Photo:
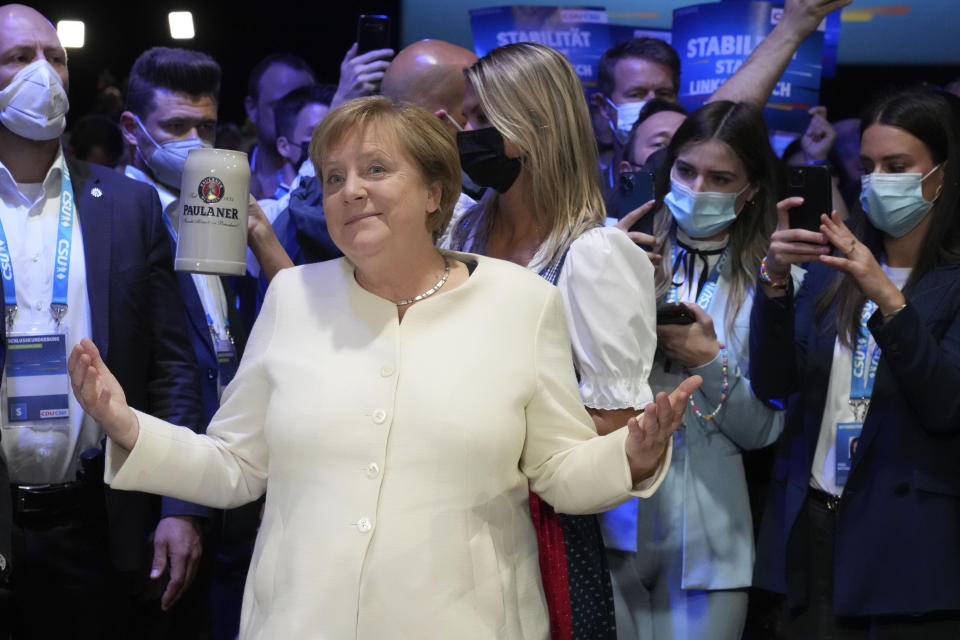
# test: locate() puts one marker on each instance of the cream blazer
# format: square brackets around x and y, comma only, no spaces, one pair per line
[396,457]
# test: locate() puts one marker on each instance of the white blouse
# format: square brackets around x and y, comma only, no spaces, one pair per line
[609,300]
[610,304]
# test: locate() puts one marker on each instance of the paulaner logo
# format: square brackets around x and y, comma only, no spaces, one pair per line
[210,189]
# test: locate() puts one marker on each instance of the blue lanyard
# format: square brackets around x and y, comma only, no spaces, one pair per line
[709,287]
[226,323]
[864,368]
[167,221]
[61,264]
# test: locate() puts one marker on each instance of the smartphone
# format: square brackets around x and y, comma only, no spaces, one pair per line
[636,188]
[812,183]
[373,32]
[674,313]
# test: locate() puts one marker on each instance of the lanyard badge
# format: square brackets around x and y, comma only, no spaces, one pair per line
[226,350]
[709,288]
[863,372]
[37,384]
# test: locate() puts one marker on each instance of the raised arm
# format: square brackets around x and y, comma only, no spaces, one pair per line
[755,80]
[264,243]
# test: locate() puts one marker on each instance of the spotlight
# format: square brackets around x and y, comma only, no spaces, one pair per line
[181,25]
[70,33]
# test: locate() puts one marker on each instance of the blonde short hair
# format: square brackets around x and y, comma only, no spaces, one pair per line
[420,135]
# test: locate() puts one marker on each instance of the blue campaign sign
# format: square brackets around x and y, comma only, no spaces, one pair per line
[714,39]
[622,32]
[579,33]
[831,45]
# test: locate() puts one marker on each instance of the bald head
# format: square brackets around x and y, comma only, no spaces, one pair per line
[26,36]
[429,74]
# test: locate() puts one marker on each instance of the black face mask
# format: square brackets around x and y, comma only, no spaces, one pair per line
[483,159]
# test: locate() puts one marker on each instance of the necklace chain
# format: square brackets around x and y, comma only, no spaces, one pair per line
[432,290]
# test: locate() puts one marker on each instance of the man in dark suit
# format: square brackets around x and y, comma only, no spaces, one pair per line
[171,108]
[81,553]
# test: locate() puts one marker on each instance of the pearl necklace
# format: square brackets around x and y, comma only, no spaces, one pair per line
[432,290]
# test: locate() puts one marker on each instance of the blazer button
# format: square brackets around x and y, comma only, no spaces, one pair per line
[901,489]
[379,416]
[387,371]
[211,374]
[364,525]
[373,470]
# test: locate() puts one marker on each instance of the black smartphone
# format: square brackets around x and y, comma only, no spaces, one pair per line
[675,313]
[373,32]
[812,183]
[636,188]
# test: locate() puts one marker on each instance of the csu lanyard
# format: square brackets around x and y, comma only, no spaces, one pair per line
[61,264]
[206,296]
[709,287]
[864,369]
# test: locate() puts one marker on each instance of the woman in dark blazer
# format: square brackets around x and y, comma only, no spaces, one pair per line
[862,526]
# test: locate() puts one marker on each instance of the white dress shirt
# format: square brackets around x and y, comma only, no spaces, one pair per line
[823,474]
[30,213]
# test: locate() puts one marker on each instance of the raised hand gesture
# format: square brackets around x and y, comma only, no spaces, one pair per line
[100,395]
[650,432]
[858,261]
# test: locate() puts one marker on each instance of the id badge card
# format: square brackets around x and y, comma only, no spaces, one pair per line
[38,384]
[848,438]
[227,362]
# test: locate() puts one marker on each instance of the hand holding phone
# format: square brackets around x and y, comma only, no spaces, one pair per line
[373,32]
[636,188]
[813,184]
[674,313]
[366,61]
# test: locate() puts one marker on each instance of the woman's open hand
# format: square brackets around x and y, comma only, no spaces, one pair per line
[100,395]
[858,262]
[650,432]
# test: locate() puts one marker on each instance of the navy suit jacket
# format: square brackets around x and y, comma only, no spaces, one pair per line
[137,321]
[202,342]
[897,547]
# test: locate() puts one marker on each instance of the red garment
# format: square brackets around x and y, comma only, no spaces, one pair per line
[553,567]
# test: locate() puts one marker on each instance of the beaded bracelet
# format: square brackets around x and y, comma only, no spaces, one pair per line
[765,276]
[723,389]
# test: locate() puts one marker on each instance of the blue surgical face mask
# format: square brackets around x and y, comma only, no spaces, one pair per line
[894,202]
[701,214]
[627,115]
[167,160]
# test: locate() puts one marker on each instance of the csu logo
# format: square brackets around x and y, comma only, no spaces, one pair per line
[210,190]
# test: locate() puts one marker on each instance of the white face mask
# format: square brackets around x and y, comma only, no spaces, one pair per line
[627,115]
[34,105]
[168,159]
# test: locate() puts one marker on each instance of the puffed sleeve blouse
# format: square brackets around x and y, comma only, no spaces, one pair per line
[608,293]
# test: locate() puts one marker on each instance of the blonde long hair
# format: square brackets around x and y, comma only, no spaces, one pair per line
[740,127]
[532,96]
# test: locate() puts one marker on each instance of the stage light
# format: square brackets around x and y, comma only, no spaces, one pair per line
[181,25]
[70,33]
